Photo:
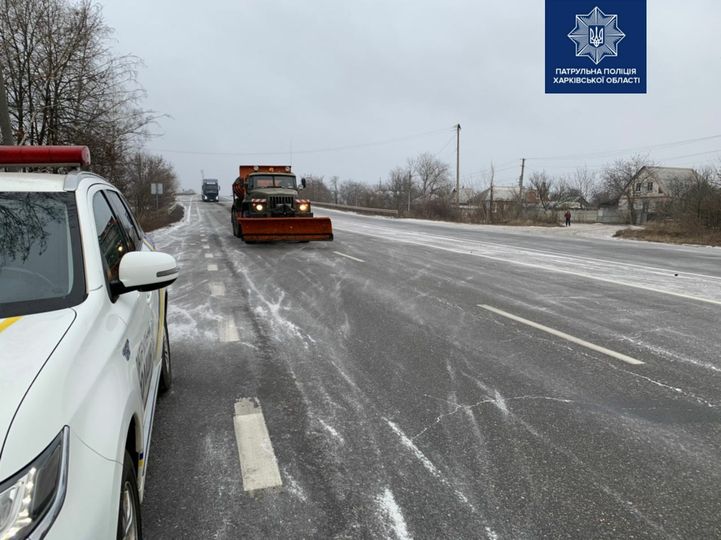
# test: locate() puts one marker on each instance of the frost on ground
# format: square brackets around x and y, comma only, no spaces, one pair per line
[393,516]
[671,281]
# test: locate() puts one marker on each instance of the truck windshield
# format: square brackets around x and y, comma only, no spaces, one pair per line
[272,180]
[40,257]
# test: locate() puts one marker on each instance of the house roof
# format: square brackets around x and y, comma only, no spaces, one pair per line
[665,175]
[466,194]
[500,193]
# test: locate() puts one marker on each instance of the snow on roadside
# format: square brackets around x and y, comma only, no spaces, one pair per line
[579,230]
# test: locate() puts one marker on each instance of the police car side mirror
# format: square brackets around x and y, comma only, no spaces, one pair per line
[145,271]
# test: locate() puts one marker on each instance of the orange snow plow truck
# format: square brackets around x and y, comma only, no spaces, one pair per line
[267,208]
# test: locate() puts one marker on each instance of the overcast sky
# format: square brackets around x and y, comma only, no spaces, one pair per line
[237,77]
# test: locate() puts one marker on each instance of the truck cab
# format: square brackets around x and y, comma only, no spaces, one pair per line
[267,208]
[210,190]
[273,195]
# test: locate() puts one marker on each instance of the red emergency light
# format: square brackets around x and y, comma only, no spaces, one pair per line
[44,156]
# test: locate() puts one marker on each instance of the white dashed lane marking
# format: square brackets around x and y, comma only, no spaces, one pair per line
[348,257]
[563,335]
[217,289]
[258,464]
[212,268]
[227,330]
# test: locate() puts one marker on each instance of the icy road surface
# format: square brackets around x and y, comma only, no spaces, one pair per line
[427,380]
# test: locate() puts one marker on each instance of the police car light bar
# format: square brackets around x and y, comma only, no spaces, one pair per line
[44,156]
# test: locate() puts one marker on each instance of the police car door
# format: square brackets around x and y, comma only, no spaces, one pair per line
[153,298]
[132,307]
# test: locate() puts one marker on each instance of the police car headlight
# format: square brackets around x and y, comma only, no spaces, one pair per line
[31,500]
[259,207]
[304,207]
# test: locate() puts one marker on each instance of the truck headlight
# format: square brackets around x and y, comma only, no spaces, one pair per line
[31,500]
[304,207]
[259,207]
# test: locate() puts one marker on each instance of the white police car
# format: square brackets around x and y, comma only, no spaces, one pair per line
[83,351]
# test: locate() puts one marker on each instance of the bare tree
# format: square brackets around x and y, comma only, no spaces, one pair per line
[399,187]
[316,190]
[140,171]
[353,193]
[334,187]
[544,186]
[433,176]
[617,178]
[584,182]
[65,85]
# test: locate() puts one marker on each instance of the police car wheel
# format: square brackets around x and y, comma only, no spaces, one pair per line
[129,525]
[166,370]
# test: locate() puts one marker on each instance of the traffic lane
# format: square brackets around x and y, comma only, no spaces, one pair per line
[676,328]
[194,487]
[675,337]
[676,258]
[656,412]
[412,334]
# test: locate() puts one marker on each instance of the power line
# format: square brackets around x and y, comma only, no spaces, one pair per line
[450,140]
[625,150]
[295,152]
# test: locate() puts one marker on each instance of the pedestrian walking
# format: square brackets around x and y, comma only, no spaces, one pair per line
[567,215]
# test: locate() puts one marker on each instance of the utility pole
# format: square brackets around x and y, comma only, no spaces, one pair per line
[458,166]
[410,184]
[490,208]
[6,131]
[521,199]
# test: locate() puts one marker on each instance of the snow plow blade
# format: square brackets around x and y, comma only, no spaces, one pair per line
[297,229]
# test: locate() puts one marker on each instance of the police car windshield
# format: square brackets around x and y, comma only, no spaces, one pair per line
[39,266]
[261,181]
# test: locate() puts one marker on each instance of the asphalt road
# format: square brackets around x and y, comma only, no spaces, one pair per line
[433,381]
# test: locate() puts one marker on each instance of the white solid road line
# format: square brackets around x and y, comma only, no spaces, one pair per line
[348,257]
[258,464]
[227,330]
[217,289]
[563,335]
[212,268]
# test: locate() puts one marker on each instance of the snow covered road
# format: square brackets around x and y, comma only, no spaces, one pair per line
[398,405]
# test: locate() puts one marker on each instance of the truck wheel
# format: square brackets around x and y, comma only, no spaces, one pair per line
[129,526]
[236,226]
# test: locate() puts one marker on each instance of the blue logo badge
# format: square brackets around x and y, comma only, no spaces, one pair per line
[596,35]
[596,56]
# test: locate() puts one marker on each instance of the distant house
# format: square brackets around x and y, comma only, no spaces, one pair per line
[499,199]
[651,188]
[466,195]
[575,202]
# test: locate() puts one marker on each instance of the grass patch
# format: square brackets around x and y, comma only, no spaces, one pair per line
[161,218]
[538,222]
[672,233]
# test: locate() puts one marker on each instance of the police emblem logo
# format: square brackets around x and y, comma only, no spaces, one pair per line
[596,35]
